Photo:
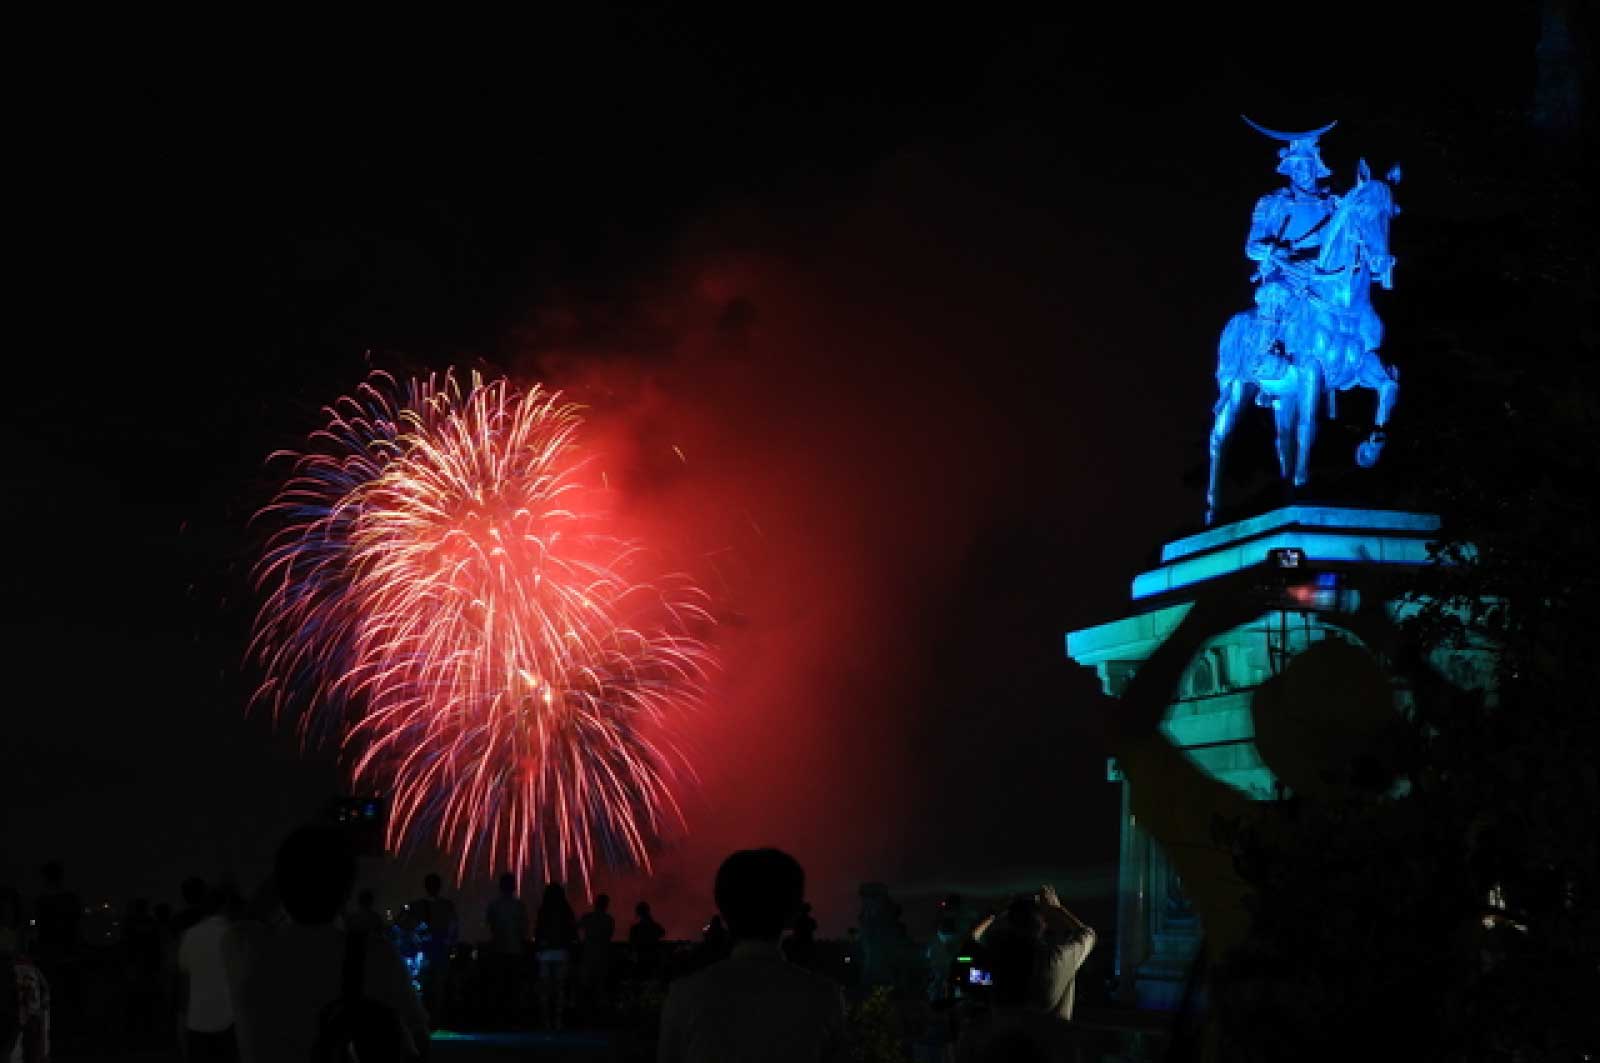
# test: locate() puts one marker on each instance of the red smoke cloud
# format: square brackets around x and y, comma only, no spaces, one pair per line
[798,432]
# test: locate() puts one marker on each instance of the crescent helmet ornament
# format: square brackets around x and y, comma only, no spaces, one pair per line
[1288,138]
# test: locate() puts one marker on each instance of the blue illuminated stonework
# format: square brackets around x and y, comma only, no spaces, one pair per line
[1325,533]
[1317,257]
[1211,719]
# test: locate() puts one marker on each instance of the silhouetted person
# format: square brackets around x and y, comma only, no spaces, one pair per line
[205,999]
[197,897]
[754,1005]
[852,957]
[141,949]
[365,917]
[444,930]
[597,929]
[714,943]
[508,947]
[880,944]
[25,1022]
[555,935]
[1034,955]
[941,956]
[283,981]
[58,914]
[939,1036]
[801,944]
[163,914]
[644,940]
[196,900]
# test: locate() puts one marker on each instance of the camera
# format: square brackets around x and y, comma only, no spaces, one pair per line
[971,973]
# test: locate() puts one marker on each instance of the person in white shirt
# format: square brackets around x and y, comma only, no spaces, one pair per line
[505,960]
[1034,956]
[204,1001]
[284,978]
[755,1005]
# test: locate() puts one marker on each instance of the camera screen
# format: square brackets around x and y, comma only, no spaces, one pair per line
[978,976]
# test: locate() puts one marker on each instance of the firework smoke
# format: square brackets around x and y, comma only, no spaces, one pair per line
[443,598]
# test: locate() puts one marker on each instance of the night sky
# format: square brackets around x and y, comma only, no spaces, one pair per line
[930,307]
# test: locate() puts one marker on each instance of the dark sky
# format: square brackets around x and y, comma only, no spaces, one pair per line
[930,304]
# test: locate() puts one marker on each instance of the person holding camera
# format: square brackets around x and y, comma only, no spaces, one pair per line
[1034,955]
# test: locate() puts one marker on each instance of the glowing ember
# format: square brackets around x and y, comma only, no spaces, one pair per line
[442,597]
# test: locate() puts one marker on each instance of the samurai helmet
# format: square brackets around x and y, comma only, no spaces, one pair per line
[1301,146]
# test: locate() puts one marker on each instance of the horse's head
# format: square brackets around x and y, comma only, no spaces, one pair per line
[1358,234]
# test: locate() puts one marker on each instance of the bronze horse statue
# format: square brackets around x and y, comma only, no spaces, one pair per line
[1290,352]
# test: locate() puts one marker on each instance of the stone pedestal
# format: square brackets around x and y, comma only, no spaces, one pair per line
[1157,935]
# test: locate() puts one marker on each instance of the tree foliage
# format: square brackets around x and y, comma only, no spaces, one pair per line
[1461,919]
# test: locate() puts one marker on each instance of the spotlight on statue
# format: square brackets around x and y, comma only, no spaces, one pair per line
[1292,582]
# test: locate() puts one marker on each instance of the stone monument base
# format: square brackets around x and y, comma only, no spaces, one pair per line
[1158,934]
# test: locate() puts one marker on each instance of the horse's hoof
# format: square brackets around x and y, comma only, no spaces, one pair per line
[1367,453]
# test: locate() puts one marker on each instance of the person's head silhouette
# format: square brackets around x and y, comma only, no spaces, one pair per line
[508,884]
[642,909]
[1024,918]
[759,892]
[1011,957]
[433,884]
[315,872]
[602,903]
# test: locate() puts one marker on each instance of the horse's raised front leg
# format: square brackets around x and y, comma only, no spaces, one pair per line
[1227,415]
[1385,380]
[1387,383]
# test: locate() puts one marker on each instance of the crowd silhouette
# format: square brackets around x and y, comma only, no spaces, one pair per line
[307,965]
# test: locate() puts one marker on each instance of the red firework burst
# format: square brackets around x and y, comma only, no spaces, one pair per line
[443,598]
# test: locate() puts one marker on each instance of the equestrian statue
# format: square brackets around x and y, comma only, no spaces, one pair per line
[1313,332]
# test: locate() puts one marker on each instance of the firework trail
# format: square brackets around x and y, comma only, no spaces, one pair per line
[442,598]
